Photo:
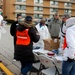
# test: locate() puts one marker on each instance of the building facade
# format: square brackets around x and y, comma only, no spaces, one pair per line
[37,8]
[1,3]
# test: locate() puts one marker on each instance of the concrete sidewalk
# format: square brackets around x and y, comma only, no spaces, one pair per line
[7,52]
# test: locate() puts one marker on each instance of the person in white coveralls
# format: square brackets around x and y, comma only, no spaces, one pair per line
[2,30]
[68,65]
[43,32]
[1,19]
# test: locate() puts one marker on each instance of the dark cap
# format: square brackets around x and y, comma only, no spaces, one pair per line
[66,16]
[28,18]
[19,15]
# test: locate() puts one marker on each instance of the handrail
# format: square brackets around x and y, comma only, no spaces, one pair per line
[5,69]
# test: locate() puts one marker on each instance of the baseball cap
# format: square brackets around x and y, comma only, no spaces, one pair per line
[66,16]
[28,18]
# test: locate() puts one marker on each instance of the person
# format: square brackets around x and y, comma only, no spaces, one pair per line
[2,29]
[1,19]
[14,26]
[47,21]
[43,32]
[54,26]
[68,65]
[63,28]
[25,36]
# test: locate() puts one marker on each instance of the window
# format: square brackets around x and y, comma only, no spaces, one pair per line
[17,7]
[67,11]
[20,0]
[20,7]
[51,16]
[38,1]
[38,8]
[53,3]
[38,16]
[68,4]
[23,15]
[53,10]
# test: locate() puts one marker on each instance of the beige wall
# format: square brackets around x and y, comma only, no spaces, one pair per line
[45,16]
[46,11]
[46,3]
[30,2]
[12,9]
[9,8]
[6,8]
[60,5]
[1,2]
[73,13]
[73,6]
[29,9]
[61,12]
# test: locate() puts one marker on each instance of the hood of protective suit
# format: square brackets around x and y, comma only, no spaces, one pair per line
[1,19]
[70,22]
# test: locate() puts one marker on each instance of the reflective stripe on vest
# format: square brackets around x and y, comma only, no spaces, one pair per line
[23,37]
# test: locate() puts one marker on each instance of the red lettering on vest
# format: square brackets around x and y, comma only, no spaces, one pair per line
[23,37]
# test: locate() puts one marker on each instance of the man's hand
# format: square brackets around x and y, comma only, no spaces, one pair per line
[37,33]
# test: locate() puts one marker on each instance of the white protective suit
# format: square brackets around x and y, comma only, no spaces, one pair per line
[2,30]
[44,34]
[69,51]
[1,19]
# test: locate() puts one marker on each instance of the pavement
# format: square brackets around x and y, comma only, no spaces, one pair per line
[7,52]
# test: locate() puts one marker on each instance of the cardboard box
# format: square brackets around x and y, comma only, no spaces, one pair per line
[51,44]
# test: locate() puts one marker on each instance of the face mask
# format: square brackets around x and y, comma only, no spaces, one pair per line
[20,20]
[0,13]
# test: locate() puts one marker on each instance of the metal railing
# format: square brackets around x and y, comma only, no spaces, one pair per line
[4,70]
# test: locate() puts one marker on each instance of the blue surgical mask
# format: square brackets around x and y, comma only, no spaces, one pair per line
[0,13]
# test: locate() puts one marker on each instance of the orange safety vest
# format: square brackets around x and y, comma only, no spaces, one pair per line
[23,37]
[64,44]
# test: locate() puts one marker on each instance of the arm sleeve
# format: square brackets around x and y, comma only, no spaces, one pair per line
[12,29]
[70,39]
[49,28]
[33,34]
[47,33]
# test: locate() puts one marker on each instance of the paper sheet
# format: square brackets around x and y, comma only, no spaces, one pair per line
[59,58]
[41,51]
